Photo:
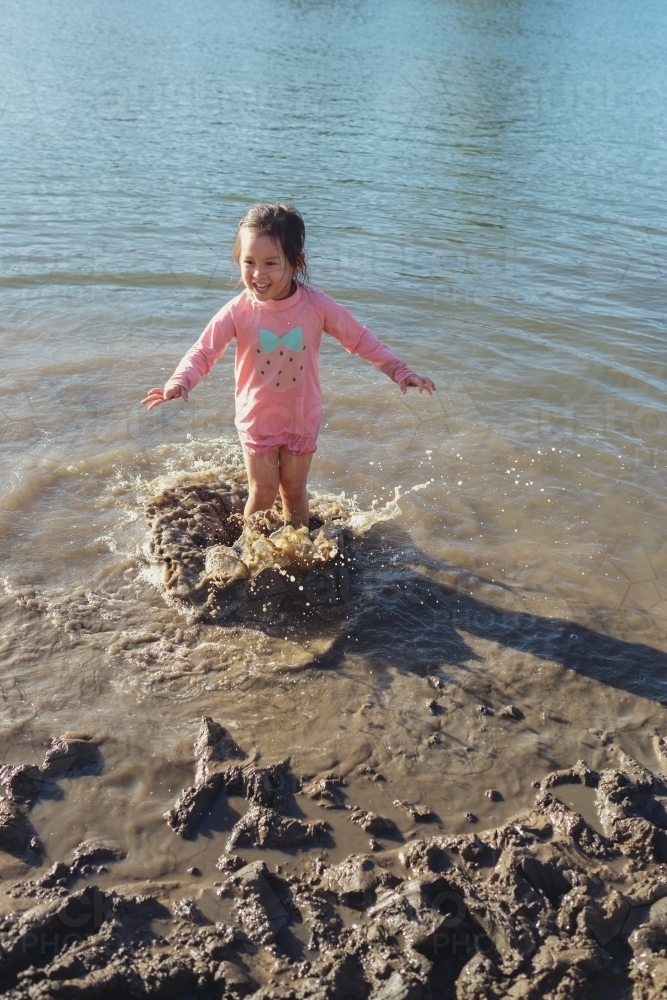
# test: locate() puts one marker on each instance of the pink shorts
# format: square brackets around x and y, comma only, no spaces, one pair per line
[295,444]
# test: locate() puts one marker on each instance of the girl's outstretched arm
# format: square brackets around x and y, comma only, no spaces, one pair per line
[421,382]
[198,361]
[358,339]
[160,395]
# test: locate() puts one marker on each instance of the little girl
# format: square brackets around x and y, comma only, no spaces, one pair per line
[278,321]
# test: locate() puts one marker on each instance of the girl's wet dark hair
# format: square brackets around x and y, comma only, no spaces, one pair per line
[284,224]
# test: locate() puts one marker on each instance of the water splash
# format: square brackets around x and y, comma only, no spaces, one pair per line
[197,535]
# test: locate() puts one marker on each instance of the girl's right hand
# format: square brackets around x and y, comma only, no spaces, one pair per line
[160,395]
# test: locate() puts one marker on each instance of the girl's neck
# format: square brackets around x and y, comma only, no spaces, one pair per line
[289,293]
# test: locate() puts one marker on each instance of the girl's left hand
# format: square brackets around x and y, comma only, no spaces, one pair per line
[419,383]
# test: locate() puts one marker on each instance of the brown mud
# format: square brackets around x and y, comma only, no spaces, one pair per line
[395,830]
[543,906]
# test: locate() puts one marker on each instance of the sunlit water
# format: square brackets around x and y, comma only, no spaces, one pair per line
[483,185]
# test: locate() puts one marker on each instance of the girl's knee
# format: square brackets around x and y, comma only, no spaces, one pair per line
[293,487]
[259,493]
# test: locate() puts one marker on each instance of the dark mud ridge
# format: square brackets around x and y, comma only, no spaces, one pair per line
[545,906]
[210,559]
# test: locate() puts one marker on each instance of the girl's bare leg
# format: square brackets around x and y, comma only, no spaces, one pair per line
[278,469]
[263,480]
[294,471]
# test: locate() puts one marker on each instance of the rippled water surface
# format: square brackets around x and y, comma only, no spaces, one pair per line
[483,185]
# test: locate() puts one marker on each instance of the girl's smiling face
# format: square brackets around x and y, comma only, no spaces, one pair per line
[265,270]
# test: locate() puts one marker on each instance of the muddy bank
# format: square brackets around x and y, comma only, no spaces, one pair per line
[549,904]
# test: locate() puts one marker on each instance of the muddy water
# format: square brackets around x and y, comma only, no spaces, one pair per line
[481,188]
[110,653]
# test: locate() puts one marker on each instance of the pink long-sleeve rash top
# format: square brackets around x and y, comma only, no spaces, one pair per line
[277,355]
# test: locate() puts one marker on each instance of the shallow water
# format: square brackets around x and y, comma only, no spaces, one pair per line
[482,185]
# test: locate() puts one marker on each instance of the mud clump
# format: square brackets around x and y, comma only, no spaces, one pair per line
[102,945]
[23,783]
[419,813]
[660,747]
[14,827]
[262,827]
[214,747]
[222,768]
[356,881]
[194,804]
[325,791]
[379,826]
[580,774]
[188,910]
[68,756]
[510,712]
[631,813]
[261,913]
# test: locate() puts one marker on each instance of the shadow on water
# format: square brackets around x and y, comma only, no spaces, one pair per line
[402,618]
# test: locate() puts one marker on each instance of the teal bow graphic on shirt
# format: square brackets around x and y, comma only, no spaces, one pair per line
[293,340]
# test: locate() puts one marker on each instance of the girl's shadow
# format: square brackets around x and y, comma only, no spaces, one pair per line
[402,618]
